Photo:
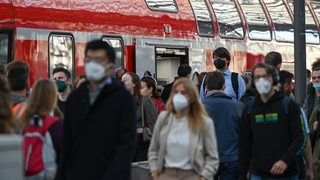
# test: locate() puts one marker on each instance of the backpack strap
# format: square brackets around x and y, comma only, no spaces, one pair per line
[19,108]
[235,84]
[285,103]
[250,105]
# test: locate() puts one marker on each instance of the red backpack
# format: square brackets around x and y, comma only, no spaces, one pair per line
[39,153]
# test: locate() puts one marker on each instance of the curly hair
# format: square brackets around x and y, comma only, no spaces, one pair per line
[316,65]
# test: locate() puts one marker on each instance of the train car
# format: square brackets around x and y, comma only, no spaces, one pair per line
[152,35]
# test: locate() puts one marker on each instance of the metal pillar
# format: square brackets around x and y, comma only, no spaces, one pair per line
[299,50]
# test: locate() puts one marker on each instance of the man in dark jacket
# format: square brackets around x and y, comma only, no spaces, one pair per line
[313,89]
[184,70]
[270,139]
[100,125]
[226,114]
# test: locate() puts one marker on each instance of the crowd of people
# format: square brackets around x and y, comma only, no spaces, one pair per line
[224,127]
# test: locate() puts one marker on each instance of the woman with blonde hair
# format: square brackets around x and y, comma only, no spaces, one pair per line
[38,121]
[183,144]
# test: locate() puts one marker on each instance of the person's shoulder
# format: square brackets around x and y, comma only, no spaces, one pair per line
[163,117]
[207,120]
[168,85]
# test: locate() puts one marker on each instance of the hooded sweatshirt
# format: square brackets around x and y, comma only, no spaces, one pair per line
[267,134]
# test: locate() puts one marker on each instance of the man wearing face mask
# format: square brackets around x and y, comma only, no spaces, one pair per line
[235,86]
[271,131]
[99,134]
[313,91]
[62,78]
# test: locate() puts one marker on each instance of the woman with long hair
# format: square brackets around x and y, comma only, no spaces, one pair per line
[148,88]
[183,144]
[40,106]
[146,113]
[7,121]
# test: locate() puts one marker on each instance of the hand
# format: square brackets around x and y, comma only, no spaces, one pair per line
[309,174]
[279,167]
[154,175]
[315,126]
[202,178]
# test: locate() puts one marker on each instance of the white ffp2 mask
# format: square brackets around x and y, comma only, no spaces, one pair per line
[179,102]
[263,86]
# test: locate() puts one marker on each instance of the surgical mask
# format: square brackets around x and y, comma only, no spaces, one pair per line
[179,102]
[95,71]
[219,63]
[316,85]
[263,86]
[61,85]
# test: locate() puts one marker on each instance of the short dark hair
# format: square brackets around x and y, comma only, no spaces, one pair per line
[269,69]
[62,69]
[273,58]
[308,73]
[315,65]
[222,53]
[215,80]
[18,75]
[285,77]
[184,70]
[99,44]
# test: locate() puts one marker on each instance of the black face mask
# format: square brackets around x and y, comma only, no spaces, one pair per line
[219,63]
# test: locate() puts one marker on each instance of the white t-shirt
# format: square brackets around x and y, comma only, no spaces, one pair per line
[177,151]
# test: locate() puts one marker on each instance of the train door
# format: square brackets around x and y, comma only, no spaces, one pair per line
[160,62]
[168,59]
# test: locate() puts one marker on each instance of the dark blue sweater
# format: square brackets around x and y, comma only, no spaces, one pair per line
[225,114]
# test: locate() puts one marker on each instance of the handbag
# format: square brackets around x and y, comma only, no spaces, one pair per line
[147,132]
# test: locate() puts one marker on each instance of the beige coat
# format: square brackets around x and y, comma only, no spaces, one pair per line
[203,147]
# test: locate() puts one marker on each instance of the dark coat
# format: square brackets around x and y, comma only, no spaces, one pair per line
[166,92]
[99,140]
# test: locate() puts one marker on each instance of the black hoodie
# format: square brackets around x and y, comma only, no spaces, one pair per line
[268,134]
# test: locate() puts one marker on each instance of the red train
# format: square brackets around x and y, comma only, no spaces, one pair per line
[152,35]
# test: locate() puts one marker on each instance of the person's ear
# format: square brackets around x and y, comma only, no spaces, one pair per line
[286,86]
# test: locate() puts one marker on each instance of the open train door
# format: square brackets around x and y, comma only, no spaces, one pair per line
[168,59]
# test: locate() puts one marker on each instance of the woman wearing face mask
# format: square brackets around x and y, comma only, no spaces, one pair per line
[146,111]
[183,144]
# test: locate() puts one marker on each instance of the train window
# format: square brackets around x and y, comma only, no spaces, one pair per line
[117,44]
[281,20]
[315,4]
[5,46]
[203,18]
[257,21]
[61,52]
[162,5]
[230,25]
[312,35]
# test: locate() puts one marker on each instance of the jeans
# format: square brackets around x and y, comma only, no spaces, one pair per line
[255,177]
[228,171]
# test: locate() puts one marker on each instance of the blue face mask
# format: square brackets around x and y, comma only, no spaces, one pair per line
[316,86]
